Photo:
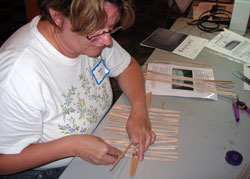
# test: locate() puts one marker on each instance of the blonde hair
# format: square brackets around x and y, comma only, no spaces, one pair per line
[87,16]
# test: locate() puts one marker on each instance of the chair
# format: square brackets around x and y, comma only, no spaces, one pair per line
[31,9]
[176,9]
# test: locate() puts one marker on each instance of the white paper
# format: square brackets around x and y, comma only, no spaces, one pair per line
[163,88]
[231,44]
[247,74]
[181,44]
[191,47]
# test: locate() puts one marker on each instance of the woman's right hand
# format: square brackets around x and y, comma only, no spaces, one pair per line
[94,150]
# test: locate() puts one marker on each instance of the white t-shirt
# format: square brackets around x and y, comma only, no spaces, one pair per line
[45,95]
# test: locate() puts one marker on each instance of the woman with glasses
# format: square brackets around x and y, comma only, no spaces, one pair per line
[55,88]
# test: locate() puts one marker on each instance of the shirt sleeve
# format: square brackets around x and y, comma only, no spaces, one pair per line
[20,124]
[20,109]
[117,59]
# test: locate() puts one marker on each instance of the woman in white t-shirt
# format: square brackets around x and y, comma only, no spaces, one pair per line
[55,89]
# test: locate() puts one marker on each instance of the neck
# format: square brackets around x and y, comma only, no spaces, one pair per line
[53,36]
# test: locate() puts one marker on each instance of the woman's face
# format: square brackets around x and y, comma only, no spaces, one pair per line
[72,44]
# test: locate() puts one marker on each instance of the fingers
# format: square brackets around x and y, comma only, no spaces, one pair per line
[114,152]
[145,140]
[142,149]
[112,155]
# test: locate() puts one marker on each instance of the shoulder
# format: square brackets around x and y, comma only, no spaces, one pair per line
[116,58]
[19,54]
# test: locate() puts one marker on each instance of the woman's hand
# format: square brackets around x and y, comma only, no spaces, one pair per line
[139,131]
[94,150]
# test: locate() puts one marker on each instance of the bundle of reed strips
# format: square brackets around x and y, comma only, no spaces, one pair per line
[181,61]
[165,124]
[219,87]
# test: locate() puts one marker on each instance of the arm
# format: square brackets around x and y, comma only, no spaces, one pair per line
[89,148]
[132,83]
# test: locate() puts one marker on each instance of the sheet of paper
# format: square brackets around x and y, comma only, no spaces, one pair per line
[232,45]
[163,88]
[247,74]
[185,45]
[191,47]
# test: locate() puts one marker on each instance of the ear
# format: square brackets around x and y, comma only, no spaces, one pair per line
[57,17]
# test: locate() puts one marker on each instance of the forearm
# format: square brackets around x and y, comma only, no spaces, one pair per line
[138,126]
[90,148]
[36,155]
[132,83]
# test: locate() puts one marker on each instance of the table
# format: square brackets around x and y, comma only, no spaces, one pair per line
[207,131]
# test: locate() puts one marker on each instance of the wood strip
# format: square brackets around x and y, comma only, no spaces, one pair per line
[125,116]
[158,159]
[156,130]
[134,162]
[186,60]
[191,86]
[148,99]
[119,158]
[188,78]
[153,126]
[120,106]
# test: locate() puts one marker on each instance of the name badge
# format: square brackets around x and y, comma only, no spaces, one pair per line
[100,71]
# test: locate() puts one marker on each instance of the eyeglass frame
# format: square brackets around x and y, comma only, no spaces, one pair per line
[110,31]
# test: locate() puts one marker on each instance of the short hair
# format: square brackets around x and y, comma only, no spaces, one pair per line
[87,16]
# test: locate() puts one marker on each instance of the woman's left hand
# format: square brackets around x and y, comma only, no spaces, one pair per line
[139,131]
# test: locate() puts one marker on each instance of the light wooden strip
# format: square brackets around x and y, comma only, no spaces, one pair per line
[163,111]
[165,152]
[151,117]
[162,114]
[155,130]
[125,134]
[116,133]
[151,114]
[186,60]
[124,130]
[165,156]
[119,158]
[159,135]
[166,120]
[160,156]
[173,147]
[191,86]
[169,139]
[188,78]
[134,162]
[166,141]
[153,126]
[164,137]
[114,138]
[118,120]
[120,106]
[164,126]
[174,117]
[172,127]
[148,99]
[177,63]
[158,159]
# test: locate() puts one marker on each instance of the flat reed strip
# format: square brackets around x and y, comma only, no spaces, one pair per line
[191,86]
[165,123]
[222,82]
[184,60]
[125,107]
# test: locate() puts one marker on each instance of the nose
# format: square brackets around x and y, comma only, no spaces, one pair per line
[106,39]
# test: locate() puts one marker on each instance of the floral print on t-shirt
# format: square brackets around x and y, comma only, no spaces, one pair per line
[86,104]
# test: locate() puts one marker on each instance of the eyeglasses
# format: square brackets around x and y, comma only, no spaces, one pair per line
[110,31]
